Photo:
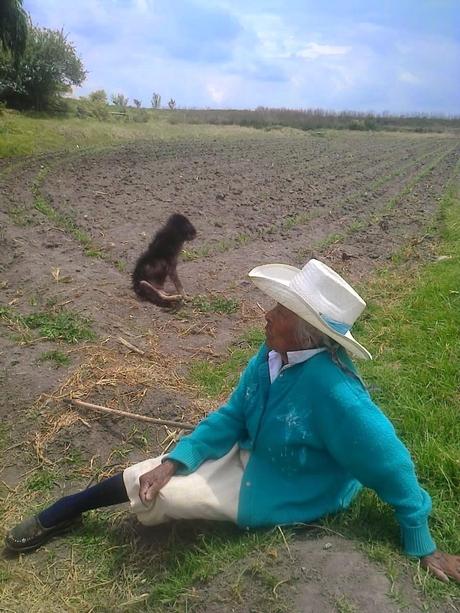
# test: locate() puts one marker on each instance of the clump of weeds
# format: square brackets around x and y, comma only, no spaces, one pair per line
[58,358]
[62,325]
[214,304]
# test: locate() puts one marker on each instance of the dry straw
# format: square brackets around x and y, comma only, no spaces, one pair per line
[104,370]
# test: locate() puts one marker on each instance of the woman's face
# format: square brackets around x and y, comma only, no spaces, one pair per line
[281,330]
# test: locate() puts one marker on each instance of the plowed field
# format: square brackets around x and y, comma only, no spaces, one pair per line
[73,225]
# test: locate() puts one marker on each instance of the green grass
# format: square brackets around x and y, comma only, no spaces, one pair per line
[343,605]
[22,134]
[216,379]
[214,304]
[5,575]
[58,358]
[66,326]
[62,325]
[120,265]
[329,240]
[41,481]
[111,567]
[200,563]
[26,135]
[412,325]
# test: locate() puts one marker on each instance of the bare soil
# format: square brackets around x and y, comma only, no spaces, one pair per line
[354,200]
[319,574]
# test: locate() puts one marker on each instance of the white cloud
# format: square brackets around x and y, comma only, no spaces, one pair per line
[409,77]
[142,5]
[241,54]
[217,95]
[313,51]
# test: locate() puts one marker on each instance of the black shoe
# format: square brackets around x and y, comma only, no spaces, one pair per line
[30,534]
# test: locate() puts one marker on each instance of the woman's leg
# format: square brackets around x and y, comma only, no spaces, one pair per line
[106,493]
[36,530]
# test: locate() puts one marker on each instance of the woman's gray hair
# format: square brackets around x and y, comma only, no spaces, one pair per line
[309,336]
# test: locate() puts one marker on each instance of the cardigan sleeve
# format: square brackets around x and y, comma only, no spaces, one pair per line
[217,433]
[362,439]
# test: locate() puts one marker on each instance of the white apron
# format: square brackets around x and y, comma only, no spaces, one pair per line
[211,492]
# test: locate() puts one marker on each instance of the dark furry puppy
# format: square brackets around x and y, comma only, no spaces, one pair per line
[160,262]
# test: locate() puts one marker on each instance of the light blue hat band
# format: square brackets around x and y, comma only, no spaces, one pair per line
[337,326]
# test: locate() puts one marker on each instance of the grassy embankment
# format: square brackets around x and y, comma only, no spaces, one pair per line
[33,133]
[22,134]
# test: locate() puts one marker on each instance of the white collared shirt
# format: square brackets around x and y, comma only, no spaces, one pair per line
[275,363]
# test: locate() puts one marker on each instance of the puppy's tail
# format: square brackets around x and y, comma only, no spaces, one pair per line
[147,291]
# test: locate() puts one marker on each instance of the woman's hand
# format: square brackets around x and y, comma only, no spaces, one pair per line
[443,566]
[151,483]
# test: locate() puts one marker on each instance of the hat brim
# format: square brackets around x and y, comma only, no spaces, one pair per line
[274,279]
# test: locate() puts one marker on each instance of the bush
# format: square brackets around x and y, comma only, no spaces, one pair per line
[100,111]
[94,108]
[99,96]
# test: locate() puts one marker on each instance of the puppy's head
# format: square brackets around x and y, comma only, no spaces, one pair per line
[182,225]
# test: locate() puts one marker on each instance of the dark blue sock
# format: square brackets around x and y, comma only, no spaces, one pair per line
[107,492]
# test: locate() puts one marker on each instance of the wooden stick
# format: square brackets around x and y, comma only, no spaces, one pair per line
[152,420]
[124,342]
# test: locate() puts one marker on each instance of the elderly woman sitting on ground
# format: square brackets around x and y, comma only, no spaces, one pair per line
[297,439]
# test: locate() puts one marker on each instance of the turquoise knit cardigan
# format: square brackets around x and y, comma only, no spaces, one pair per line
[315,437]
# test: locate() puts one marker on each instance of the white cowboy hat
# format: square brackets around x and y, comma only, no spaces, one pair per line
[318,295]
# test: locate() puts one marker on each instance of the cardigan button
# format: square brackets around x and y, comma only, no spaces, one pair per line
[248,484]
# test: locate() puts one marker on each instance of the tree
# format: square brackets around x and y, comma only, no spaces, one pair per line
[120,101]
[13,27]
[48,68]
[98,96]
[172,104]
[156,100]
[137,103]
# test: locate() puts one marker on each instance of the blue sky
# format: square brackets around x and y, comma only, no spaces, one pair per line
[381,55]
